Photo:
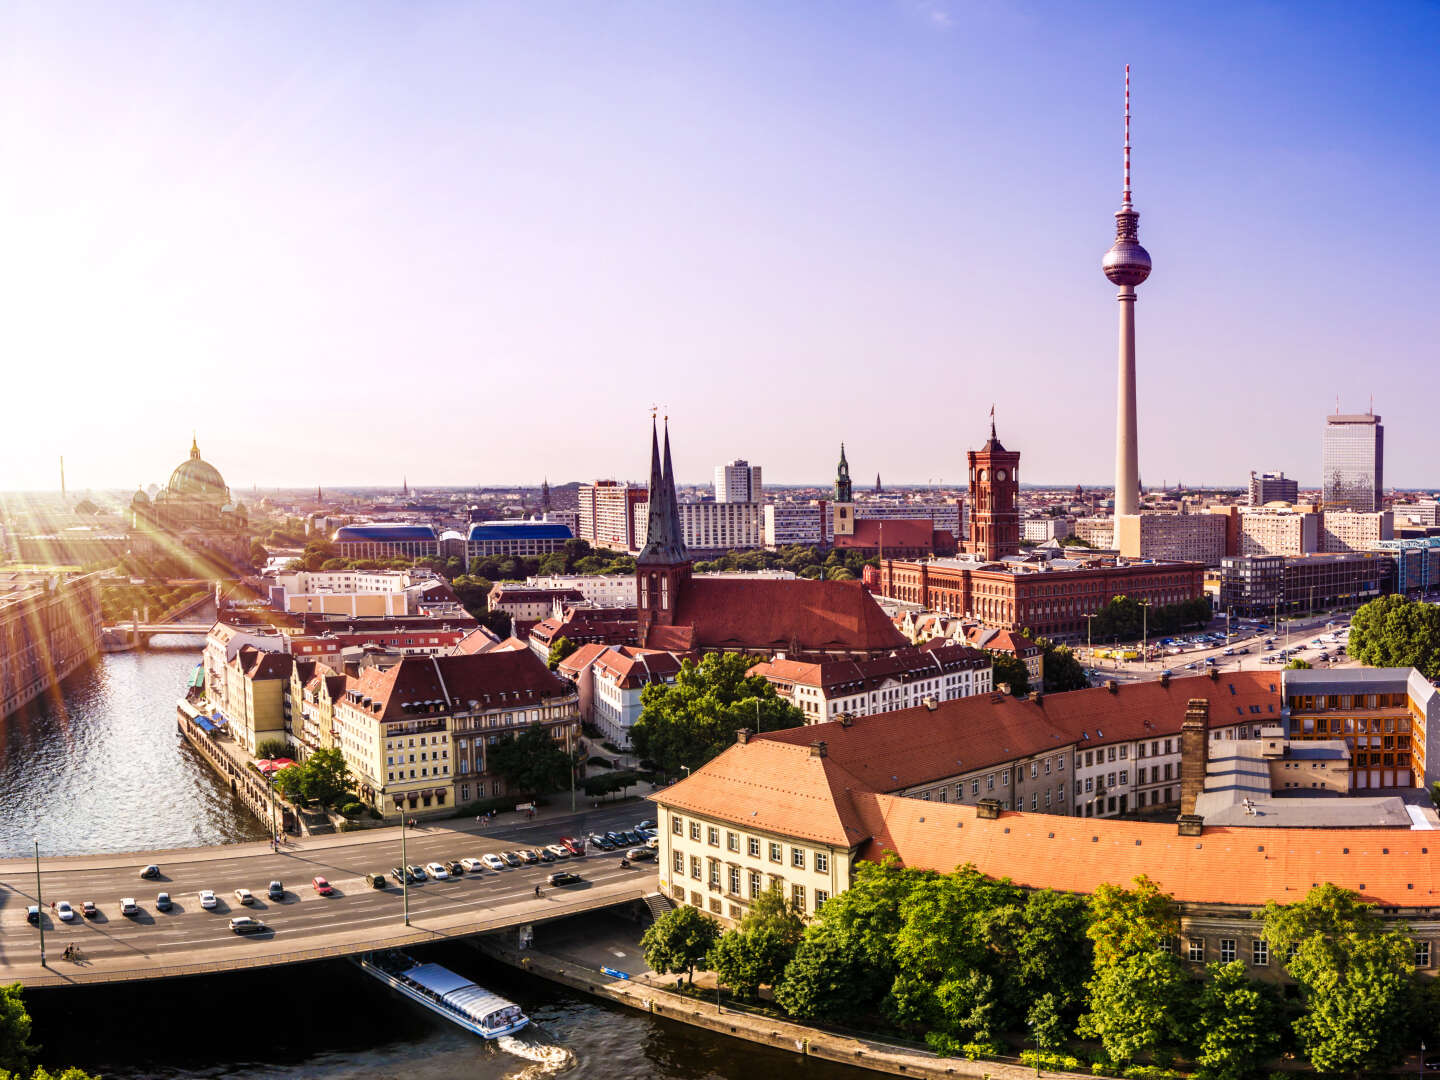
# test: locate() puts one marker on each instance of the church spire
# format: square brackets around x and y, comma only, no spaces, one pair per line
[663,543]
[842,479]
[194,447]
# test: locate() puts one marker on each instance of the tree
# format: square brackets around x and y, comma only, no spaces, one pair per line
[560,648]
[323,777]
[1125,922]
[1236,1027]
[258,554]
[15,1046]
[1046,1023]
[757,951]
[532,762]
[271,748]
[1354,974]
[689,721]
[1010,670]
[1298,665]
[1395,631]
[1061,669]
[1134,1004]
[679,940]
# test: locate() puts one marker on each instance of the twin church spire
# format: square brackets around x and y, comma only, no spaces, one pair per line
[664,544]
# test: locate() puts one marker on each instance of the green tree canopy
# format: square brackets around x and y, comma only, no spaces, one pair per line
[757,951]
[680,939]
[560,648]
[1061,669]
[16,1049]
[1236,1026]
[323,777]
[689,721]
[1395,631]
[1136,1004]
[532,762]
[1010,670]
[1126,922]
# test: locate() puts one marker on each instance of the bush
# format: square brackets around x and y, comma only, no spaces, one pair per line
[600,762]
[484,806]
[1049,1059]
[353,809]
[271,748]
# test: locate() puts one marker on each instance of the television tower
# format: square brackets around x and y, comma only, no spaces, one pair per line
[1127,264]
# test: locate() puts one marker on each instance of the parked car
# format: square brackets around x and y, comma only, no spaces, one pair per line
[162,902]
[573,844]
[64,911]
[602,842]
[437,871]
[640,854]
[653,843]
[472,864]
[245,896]
[563,877]
[546,855]
[417,874]
[151,871]
[88,909]
[646,824]
[376,881]
[207,899]
[402,874]
[128,906]
[276,891]
[322,887]
[559,851]
[529,856]
[493,861]
[244,924]
[456,867]
[32,914]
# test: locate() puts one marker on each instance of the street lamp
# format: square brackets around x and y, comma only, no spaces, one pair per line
[39,905]
[1089,645]
[1144,631]
[404,869]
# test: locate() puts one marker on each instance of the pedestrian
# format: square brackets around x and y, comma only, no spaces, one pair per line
[537,890]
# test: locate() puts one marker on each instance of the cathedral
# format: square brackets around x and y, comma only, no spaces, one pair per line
[192,513]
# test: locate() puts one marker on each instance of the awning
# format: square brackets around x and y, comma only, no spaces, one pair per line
[204,724]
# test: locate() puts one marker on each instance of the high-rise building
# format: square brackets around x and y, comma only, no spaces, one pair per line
[1354,472]
[737,481]
[994,487]
[1127,265]
[607,514]
[1272,487]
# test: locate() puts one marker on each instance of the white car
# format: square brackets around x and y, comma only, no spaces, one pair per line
[560,851]
[493,861]
[207,899]
[128,906]
[472,865]
[437,871]
[65,911]
[244,896]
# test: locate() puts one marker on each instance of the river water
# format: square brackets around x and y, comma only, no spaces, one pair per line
[106,771]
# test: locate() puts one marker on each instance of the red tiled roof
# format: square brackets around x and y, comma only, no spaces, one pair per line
[900,749]
[629,667]
[784,615]
[892,533]
[479,640]
[853,676]
[580,659]
[493,679]
[1241,866]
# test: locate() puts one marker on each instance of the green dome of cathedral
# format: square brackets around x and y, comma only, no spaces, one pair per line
[196,476]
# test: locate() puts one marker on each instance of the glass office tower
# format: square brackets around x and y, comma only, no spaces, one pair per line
[1354,462]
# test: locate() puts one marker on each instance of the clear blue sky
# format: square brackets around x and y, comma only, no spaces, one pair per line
[473,243]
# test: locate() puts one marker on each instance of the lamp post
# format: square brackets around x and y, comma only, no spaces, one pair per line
[1144,631]
[1089,644]
[404,869]
[570,758]
[757,715]
[39,905]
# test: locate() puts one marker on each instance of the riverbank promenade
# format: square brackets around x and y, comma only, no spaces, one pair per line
[302,926]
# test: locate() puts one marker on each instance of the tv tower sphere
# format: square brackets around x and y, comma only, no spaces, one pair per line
[1126,263]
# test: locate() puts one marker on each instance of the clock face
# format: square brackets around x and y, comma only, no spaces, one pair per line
[982,477]
[999,474]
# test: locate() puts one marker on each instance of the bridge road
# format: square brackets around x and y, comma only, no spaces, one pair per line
[190,939]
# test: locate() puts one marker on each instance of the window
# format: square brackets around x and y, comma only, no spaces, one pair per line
[1260,953]
[735,880]
[1422,954]
[753,844]
[797,858]
[1227,950]
[712,836]
[715,872]
[695,867]
[679,862]
[820,897]
[776,852]
[694,830]
[732,841]
[755,888]
[974,787]
[1195,952]
[822,862]
[797,897]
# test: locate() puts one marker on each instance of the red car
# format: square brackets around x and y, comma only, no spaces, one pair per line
[573,845]
[323,887]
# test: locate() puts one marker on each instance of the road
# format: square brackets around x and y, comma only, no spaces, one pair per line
[356,916]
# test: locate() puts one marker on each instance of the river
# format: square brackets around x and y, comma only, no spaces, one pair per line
[105,771]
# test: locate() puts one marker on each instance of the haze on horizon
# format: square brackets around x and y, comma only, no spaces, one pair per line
[473,243]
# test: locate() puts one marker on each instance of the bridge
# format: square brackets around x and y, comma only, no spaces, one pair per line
[303,926]
[160,628]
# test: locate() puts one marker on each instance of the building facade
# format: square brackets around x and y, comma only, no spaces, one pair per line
[1278,530]
[1347,530]
[1257,584]
[510,538]
[606,510]
[194,511]
[789,523]
[1354,462]
[1172,537]
[49,629]
[387,540]
[711,526]
[738,481]
[1272,487]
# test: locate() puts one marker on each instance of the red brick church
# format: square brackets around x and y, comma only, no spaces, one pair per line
[798,617]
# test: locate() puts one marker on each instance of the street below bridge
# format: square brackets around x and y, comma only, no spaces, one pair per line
[189,939]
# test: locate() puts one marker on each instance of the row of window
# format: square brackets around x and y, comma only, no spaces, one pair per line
[1195,951]
[800,858]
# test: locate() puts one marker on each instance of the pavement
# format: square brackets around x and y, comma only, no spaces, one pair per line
[189,939]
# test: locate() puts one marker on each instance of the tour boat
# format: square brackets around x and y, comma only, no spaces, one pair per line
[447,994]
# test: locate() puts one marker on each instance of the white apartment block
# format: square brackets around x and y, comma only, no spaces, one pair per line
[604,514]
[1042,529]
[1172,537]
[737,481]
[599,590]
[795,523]
[1355,530]
[949,515]
[710,526]
[1278,531]
[1098,532]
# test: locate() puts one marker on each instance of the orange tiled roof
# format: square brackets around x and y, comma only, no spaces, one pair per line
[1237,866]
[772,615]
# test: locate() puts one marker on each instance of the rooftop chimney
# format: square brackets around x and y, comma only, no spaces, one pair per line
[1194,752]
[1037,696]
[846,719]
[1164,678]
[742,735]
[1191,824]
[1215,674]
[987,809]
[1112,685]
[817,749]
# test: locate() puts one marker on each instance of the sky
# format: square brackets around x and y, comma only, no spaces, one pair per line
[469,243]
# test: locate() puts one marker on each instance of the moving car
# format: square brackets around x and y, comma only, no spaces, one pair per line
[276,891]
[207,899]
[65,911]
[245,896]
[563,877]
[322,887]
[88,909]
[162,902]
[437,871]
[32,914]
[244,924]
[128,906]
[151,871]
[472,864]
[376,881]
[494,862]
